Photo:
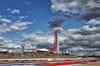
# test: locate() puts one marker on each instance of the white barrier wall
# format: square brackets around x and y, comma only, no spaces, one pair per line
[40,59]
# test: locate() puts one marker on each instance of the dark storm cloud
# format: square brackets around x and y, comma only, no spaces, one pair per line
[97,25]
[55,22]
[91,13]
[97,1]
[66,15]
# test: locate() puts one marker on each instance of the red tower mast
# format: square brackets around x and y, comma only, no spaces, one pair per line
[56,42]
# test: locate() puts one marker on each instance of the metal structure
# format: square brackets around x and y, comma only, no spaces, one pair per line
[56,43]
[22,45]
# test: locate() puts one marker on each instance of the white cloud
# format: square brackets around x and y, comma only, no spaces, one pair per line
[0,16]
[93,21]
[7,44]
[72,30]
[28,12]
[4,28]
[27,2]
[73,6]
[41,39]
[87,28]
[60,28]
[77,41]
[20,25]
[8,9]
[18,28]
[15,11]
[83,41]
[5,20]
[64,6]
[14,26]
[23,17]
[1,38]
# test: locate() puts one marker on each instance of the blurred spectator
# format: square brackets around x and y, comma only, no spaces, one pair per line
[36,55]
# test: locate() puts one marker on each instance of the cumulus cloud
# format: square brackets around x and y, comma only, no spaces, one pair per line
[41,41]
[87,9]
[20,25]
[14,26]
[73,6]
[4,28]
[78,42]
[55,22]
[15,11]
[6,44]
[93,21]
[23,17]
[17,28]
[66,15]
[87,28]
[5,20]
[83,41]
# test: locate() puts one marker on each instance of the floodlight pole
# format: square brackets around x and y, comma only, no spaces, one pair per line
[22,45]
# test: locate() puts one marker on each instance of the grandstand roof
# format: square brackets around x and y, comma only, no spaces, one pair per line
[44,49]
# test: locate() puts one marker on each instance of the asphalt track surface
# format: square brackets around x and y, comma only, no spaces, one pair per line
[97,63]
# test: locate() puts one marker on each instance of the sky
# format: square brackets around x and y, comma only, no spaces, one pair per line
[32,22]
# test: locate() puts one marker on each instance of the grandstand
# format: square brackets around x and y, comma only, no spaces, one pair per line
[35,55]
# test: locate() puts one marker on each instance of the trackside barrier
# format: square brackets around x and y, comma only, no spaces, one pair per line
[39,59]
[63,59]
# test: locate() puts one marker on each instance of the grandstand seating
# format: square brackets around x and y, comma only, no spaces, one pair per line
[34,55]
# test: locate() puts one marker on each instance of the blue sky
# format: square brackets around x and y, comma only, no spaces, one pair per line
[34,21]
[39,14]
